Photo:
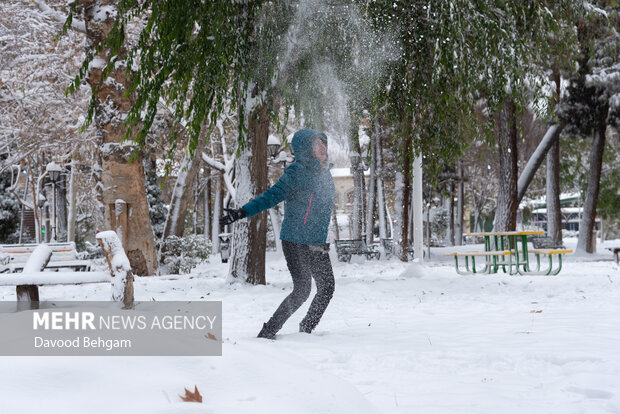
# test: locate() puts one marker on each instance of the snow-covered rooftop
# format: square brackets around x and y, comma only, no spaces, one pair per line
[345,172]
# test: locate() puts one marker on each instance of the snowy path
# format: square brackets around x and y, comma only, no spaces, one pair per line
[402,338]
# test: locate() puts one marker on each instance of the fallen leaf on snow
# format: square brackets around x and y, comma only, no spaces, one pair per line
[192,396]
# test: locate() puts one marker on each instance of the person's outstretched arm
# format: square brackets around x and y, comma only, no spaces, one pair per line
[279,192]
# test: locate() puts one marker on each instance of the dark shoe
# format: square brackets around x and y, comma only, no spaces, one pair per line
[266,333]
[305,329]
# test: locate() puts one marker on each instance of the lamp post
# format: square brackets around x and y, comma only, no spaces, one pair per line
[273,149]
[41,204]
[53,171]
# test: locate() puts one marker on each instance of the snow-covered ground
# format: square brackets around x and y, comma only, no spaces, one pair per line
[397,338]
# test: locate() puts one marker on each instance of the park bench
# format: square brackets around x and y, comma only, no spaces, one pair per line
[13,257]
[544,242]
[388,247]
[615,250]
[549,253]
[347,248]
[33,276]
[491,262]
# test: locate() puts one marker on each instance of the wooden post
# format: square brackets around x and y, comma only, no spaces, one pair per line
[120,221]
[28,295]
[120,269]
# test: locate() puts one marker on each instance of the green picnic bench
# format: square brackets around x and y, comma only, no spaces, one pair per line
[509,251]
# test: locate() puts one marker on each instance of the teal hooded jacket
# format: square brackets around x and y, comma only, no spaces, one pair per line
[307,191]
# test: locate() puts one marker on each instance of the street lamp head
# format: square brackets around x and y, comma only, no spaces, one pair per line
[273,145]
[53,171]
[273,149]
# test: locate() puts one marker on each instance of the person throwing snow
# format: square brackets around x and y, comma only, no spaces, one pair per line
[307,189]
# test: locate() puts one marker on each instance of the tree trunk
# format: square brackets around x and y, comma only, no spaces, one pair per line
[276,225]
[195,206]
[217,212]
[406,190]
[250,235]
[418,209]
[476,221]
[554,212]
[358,175]
[506,133]
[38,219]
[22,210]
[458,239]
[428,231]
[529,171]
[410,230]
[451,229]
[372,191]
[550,139]
[399,182]
[72,217]
[182,193]
[61,208]
[122,178]
[206,211]
[380,190]
[586,226]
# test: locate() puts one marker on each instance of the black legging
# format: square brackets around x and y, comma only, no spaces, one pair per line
[305,262]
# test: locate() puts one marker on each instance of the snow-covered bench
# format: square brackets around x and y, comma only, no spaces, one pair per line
[388,247]
[346,248]
[545,242]
[32,276]
[64,256]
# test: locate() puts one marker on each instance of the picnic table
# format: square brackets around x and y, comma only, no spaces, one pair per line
[509,251]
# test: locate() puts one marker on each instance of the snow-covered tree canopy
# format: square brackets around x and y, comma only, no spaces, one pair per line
[455,53]
[35,67]
[443,57]
[594,91]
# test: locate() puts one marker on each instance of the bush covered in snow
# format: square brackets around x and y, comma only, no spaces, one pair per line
[182,254]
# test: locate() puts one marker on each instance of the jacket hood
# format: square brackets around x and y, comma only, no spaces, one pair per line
[302,147]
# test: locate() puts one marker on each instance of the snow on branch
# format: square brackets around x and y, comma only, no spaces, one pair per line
[213,163]
[78,25]
[225,169]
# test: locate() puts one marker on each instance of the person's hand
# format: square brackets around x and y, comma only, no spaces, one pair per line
[233,215]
